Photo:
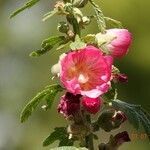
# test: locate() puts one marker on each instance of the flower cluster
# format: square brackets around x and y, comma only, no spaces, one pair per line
[88,77]
[87,73]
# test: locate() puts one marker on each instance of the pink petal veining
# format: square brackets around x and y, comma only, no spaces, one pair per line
[86,72]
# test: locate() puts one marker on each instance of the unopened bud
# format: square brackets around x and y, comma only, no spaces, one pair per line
[111,119]
[44,107]
[122,78]
[63,27]
[115,141]
[78,130]
[86,20]
[92,105]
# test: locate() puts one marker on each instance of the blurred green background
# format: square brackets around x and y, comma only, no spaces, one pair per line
[21,77]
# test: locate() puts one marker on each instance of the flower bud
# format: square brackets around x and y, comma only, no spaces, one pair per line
[122,137]
[69,104]
[115,141]
[60,6]
[119,116]
[80,3]
[63,27]
[55,70]
[86,20]
[111,119]
[122,78]
[119,46]
[78,130]
[92,105]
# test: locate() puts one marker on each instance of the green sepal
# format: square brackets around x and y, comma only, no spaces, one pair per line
[48,94]
[77,44]
[90,39]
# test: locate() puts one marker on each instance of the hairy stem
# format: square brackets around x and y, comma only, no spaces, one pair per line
[89,138]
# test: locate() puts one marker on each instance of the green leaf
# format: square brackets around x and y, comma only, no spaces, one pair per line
[50,14]
[48,44]
[47,94]
[99,16]
[113,22]
[69,148]
[59,134]
[77,44]
[65,45]
[135,113]
[29,4]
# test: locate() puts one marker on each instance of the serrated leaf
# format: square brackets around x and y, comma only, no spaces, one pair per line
[49,14]
[48,44]
[99,16]
[59,134]
[135,113]
[29,4]
[113,22]
[62,46]
[49,91]
[77,44]
[69,148]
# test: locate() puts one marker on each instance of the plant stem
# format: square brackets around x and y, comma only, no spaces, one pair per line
[76,27]
[89,138]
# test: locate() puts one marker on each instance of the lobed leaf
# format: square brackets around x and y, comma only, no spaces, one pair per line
[48,44]
[135,113]
[113,22]
[29,4]
[99,16]
[60,134]
[47,94]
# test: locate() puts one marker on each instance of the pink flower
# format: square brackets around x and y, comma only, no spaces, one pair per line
[119,46]
[69,104]
[86,72]
[92,105]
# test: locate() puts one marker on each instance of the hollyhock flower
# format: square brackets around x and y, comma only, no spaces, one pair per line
[119,46]
[86,72]
[69,104]
[92,105]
